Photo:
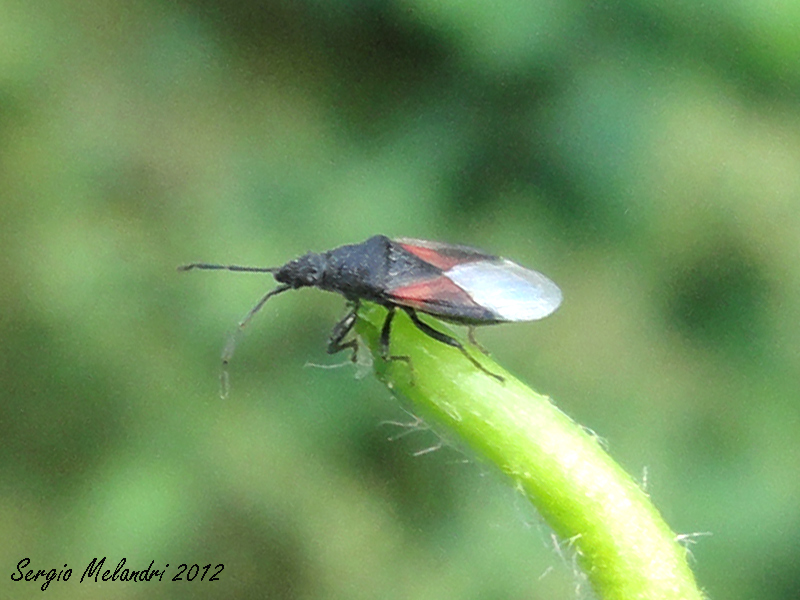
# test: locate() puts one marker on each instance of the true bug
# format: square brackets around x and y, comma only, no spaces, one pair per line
[453,283]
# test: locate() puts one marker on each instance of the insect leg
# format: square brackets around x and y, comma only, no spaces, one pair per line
[446,339]
[386,331]
[474,342]
[340,330]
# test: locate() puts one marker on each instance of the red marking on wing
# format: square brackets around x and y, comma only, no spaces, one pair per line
[433,257]
[435,296]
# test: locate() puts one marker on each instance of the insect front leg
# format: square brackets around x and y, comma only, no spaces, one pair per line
[340,331]
[446,339]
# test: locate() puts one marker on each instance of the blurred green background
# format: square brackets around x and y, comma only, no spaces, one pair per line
[645,155]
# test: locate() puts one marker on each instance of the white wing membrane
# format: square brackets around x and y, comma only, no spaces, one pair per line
[513,292]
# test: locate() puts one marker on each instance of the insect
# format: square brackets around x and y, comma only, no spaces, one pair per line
[458,284]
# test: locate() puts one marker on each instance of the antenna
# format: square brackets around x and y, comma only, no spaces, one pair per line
[230,347]
[210,267]
[227,352]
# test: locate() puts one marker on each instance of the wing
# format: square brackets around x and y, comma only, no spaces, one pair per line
[442,256]
[474,287]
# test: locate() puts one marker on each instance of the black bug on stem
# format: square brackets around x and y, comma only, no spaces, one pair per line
[453,283]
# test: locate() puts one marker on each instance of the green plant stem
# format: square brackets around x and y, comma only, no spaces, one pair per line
[623,544]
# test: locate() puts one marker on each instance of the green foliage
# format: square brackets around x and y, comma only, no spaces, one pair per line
[643,155]
[621,541]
